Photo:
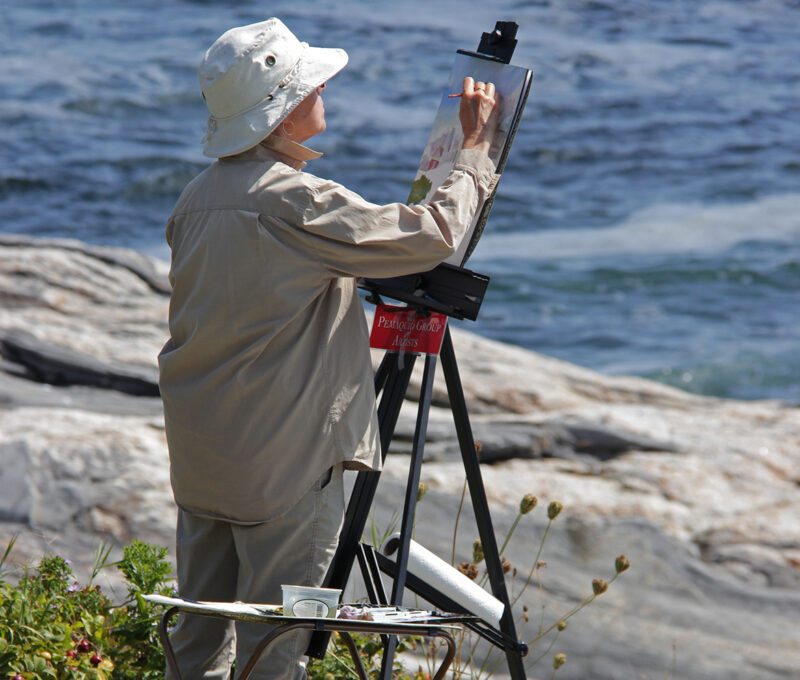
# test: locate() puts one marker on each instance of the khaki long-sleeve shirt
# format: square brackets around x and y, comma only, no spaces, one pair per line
[266,379]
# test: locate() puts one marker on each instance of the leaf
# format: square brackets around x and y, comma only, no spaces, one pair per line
[6,658]
[9,548]
[87,624]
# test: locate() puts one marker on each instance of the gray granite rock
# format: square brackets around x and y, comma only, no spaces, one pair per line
[702,494]
[671,615]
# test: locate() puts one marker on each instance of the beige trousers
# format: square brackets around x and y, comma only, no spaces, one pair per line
[225,562]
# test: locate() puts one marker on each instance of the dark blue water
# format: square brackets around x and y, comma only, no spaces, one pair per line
[649,218]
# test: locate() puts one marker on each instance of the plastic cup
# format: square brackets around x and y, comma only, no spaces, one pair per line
[308,602]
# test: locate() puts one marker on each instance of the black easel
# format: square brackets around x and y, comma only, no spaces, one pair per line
[458,293]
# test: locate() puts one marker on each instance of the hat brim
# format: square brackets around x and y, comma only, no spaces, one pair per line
[234,135]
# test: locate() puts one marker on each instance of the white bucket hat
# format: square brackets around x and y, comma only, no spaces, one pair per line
[252,77]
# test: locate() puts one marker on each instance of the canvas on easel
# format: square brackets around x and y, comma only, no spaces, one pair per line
[512,84]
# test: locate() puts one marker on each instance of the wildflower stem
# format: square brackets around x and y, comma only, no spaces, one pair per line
[457,669]
[566,616]
[455,526]
[510,532]
[9,547]
[472,650]
[351,671]
[535,563]
[541,597]
[545,652]
[583,603]
[490,672]
[100,561]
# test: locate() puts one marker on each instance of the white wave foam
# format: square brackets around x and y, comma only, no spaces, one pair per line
[684,228]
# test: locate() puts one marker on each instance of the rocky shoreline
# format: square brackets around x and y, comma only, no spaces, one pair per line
[702,494]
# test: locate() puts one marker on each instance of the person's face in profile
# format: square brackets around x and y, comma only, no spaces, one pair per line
[307,119]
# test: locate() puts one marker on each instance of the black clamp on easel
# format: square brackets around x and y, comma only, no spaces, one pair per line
[458,293]
[498,45]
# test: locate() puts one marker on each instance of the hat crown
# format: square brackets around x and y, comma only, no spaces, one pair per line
[252,77]
[246,64]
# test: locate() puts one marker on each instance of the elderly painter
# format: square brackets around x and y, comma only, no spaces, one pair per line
[266,378]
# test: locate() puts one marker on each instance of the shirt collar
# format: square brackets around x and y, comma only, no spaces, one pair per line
[283,149]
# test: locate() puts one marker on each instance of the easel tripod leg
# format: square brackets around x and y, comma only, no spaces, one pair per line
[414,473]
[480,504]
[410,505]
[392,379]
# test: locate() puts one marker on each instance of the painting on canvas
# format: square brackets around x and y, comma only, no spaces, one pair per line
[512,84]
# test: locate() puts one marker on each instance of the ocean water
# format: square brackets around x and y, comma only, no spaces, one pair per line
[648,221]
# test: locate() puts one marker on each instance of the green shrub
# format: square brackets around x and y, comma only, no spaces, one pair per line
[338,663]
[52,628]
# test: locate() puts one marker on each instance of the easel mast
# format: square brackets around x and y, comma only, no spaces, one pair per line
[458,293]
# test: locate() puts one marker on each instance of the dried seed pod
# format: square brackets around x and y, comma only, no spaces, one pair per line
[553,509]
[477,551]
[527,503]
[468,569]
[621,564]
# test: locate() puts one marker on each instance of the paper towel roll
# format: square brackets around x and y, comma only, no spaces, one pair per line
[450,581]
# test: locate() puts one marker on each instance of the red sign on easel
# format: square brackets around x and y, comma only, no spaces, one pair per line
[404,329]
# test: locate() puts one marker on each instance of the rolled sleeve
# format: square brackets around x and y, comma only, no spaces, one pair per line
[477,162]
